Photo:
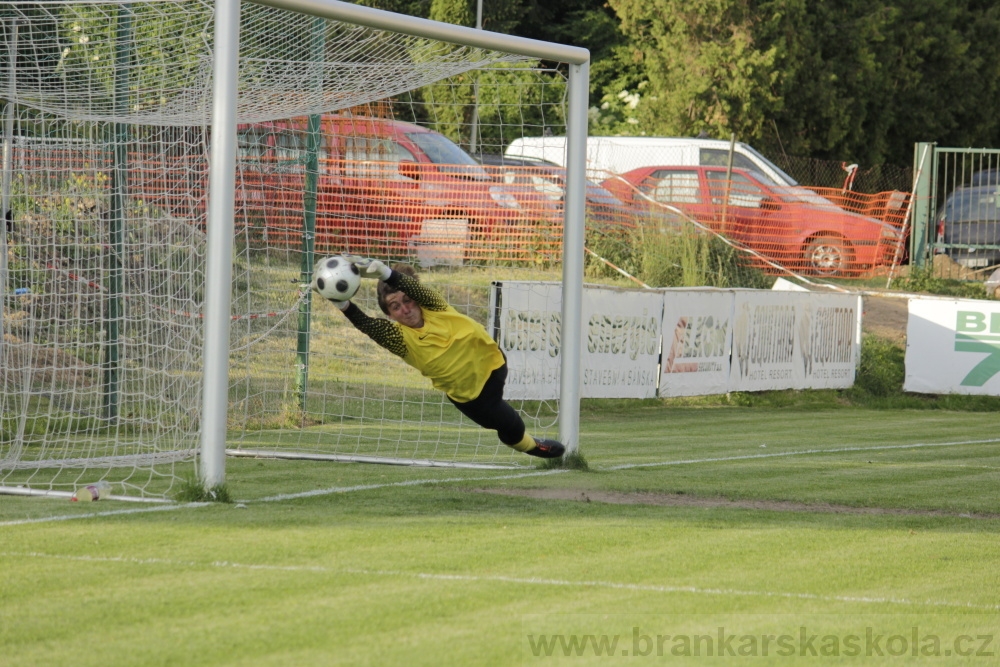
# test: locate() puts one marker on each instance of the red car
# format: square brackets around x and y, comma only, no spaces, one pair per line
[385,187]
[789,225]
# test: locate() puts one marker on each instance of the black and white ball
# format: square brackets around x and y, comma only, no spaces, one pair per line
[336,278]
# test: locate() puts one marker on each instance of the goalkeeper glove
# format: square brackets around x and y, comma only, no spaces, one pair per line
[370,268]
[343,305]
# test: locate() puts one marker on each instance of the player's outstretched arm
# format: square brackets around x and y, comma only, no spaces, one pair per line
[383,332]
[424,296]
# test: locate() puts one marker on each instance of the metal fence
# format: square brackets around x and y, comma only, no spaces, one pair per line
[956,213]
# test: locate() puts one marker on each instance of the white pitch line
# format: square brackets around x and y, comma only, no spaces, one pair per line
[68,517]
[520,581]
[800,452]
[654,588]
[412,482]
[287,496]
[419,482]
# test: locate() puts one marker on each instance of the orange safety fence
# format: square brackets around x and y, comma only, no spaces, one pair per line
[812,231]
[477,214]
[389,209]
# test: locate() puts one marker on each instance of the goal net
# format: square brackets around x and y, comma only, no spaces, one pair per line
[350,139]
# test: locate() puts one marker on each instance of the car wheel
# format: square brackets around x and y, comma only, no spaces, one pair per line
[827,256]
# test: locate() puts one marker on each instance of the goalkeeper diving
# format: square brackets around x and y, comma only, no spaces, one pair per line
[451,349]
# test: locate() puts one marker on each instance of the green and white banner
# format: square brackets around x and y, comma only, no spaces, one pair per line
[953,347]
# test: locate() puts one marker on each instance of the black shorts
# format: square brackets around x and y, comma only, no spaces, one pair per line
[489,410]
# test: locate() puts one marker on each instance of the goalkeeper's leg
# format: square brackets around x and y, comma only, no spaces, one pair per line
[490,411]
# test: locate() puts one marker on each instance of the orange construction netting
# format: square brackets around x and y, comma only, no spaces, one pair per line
[476,214]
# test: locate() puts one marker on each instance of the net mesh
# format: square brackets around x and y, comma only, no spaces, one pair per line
[106,145]
[71,54]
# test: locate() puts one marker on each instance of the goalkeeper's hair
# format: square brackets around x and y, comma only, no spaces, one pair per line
[384,289]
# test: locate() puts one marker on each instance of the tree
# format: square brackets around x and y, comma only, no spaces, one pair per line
[864,81]
[707,70]
[858,80]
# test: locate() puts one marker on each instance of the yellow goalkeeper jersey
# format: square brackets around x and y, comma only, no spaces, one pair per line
[454,351]
[451,349]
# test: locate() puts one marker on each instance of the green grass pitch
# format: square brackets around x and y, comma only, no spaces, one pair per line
[783,536]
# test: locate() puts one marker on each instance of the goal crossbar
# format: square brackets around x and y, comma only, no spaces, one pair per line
[445,32]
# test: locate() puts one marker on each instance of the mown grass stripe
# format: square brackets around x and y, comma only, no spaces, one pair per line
[523,581]
[799,452]
[410,482]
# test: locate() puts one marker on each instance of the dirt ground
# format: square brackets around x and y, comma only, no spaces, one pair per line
[885,316]
[683,500]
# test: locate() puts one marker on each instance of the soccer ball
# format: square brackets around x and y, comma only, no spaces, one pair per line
[336,279]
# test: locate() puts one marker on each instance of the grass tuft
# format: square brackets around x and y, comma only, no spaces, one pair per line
[573,461]
[925,280]
[193,491]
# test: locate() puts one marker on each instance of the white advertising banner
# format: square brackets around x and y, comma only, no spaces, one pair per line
[764,336]
[621,341]
[621,347]
[953,347]
[710,341]
[830,340]
[697,334]
[789,340]
[526,321]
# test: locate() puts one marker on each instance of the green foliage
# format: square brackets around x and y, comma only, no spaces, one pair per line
[172,60]
[511,98]
[864,79]
[59,231]
[616,245]
[694,259]
[662,257]
[881,370]
[879,384]
[38,430]
[706,68]
[500,17]
[923,279]
[847,80]
[458,12]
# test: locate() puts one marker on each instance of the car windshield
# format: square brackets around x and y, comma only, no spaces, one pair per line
[450,158]
[552,181]
[773,166]
[799,195]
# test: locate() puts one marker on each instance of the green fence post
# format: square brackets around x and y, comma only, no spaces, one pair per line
[313,139]
[116,223]
[924,160]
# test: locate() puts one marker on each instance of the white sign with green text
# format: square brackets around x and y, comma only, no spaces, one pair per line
[953,347]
